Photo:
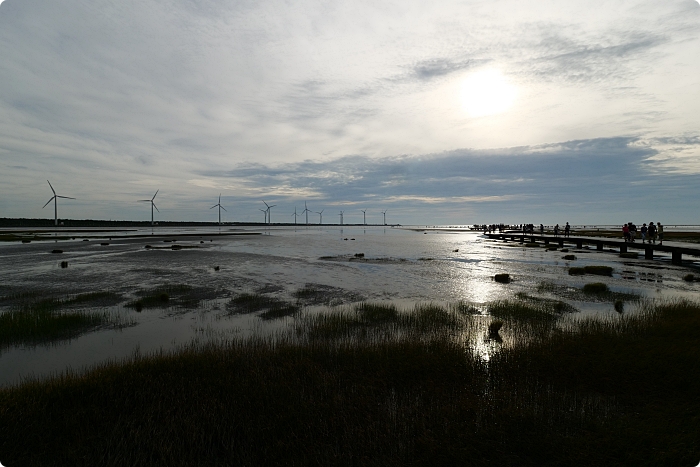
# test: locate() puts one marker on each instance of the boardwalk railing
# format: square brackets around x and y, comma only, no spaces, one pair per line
[677,252]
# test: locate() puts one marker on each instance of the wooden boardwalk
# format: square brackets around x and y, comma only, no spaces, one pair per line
[677,251]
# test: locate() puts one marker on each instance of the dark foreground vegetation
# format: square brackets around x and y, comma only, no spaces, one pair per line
[375,385]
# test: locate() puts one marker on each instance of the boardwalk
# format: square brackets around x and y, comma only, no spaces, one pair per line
[677,249]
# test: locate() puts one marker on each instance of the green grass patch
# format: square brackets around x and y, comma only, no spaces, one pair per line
[41,321]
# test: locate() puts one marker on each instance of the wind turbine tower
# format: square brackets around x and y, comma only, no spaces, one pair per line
[220,208]
[364,216]
[153,204]
[306,210]
[269,213]
[295,215]
[341,217]
[384,212]
[54,198]
[320,214]
[264,211]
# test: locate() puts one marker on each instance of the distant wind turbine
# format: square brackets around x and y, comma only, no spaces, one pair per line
[264,212]
[153,204]
[306,210]
[364,216]
[220,208]
[320,214]
[295,215]
[341,217]
[54,198]
[384,212]
[269,213]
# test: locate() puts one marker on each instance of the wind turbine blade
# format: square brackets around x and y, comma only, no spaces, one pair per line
[54,191]
[154,196]
[66,197]
[154,205]
[265,203]
[47,203]
[213,206]
[143,200]
[274,205]
[223,208]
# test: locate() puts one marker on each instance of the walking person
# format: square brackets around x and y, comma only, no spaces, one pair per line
[541,229]
[633,231]
[660,231]
[652,232]
[567,230]
[644,232]
[625,232]
[556,230]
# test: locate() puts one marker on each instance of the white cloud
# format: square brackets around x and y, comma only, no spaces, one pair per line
[114,94]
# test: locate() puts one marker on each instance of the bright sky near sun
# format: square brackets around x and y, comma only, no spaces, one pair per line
[441,112]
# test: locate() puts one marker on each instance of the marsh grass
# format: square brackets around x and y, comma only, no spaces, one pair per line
[382,389]
[252,302]
[35,320]
[569,257]
[172,295]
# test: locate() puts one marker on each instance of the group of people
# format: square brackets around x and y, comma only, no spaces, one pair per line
[649,233]
[557,230]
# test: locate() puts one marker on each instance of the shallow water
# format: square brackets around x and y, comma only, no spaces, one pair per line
[402,266]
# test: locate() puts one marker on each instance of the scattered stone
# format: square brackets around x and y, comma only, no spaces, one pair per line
[57,251]
[64,264]
[502,278]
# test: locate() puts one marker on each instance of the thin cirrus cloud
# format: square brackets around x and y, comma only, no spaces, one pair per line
[346,102]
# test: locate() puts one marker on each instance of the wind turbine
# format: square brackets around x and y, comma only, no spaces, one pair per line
[320,214]
[54,198]
[264,212]
[341,217]
[153,205]
[306,210]
[269,213]
[295,215]
[384,212]
[220,208]
[364,216]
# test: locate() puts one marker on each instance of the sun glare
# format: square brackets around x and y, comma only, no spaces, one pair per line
[487,92]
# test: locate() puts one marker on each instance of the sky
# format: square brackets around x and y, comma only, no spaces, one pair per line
[444,112]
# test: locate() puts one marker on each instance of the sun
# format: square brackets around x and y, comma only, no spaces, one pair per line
[487,92]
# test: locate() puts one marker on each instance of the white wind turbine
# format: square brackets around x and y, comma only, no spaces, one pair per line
[153,204]
[220,208]
[320,214]
[54,198]
[264,211]
[269,213]
[306,210]
[384,212]
[364,216]
[341,217]
[295,215]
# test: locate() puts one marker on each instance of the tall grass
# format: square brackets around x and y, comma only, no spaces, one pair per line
[377,385]
[42,321]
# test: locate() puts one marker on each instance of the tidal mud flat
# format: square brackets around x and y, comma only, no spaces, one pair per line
[149,297]
[298,346]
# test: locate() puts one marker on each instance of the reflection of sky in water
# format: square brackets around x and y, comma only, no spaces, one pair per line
[403,266]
